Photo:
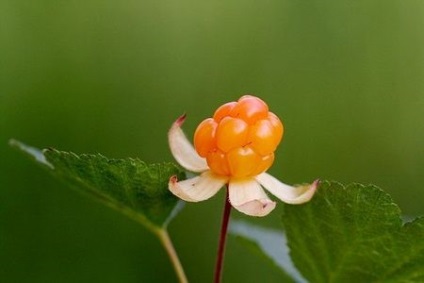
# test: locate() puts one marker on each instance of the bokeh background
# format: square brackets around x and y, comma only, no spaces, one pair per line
[346,77]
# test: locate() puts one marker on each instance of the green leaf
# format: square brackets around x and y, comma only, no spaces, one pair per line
[268,243]
[354,234]
[130,186]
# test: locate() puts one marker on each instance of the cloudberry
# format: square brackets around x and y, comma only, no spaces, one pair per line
[240,139]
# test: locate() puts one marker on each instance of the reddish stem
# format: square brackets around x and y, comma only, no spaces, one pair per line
[222,239]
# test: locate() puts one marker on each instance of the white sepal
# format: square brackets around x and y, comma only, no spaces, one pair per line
[197,188]
[248,197]
[183,150]
[286,193]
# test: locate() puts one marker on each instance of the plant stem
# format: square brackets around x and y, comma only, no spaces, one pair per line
[222,239]
[169,247]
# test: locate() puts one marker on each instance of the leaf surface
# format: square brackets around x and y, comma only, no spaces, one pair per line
[354,234]
[131,186]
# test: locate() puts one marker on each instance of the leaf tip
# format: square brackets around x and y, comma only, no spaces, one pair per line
[35,153]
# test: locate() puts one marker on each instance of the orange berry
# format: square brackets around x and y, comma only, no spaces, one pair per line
[223,111]
[240,140]
[204,137]
[231,133]
[262,137]
[265,163]
[217,161]
[278,126]
[242,161]
[250,109]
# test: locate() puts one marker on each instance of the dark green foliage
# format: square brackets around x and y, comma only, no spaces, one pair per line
[131,186]
[354,234]
[348,233]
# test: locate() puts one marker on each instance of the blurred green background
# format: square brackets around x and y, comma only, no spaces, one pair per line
[346,77]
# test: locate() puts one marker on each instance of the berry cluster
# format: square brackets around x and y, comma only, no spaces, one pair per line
[240,140]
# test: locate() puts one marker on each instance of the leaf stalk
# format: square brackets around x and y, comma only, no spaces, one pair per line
[169,247]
